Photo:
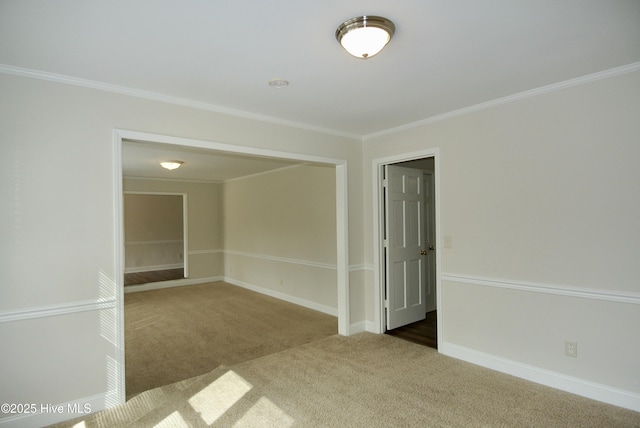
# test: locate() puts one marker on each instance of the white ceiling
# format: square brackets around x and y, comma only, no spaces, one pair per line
[445,55]
[142,159]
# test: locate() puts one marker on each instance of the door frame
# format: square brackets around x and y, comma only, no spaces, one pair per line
[342,235]
[377,167]
[431,223]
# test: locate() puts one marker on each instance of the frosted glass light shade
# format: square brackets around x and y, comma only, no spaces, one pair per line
[170,165]
[365,36]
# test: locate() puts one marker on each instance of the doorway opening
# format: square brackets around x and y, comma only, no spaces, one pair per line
[155,237]
[341,222]
[406,246]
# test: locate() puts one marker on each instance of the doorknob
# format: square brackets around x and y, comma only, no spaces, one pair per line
[432,248]
[423,252]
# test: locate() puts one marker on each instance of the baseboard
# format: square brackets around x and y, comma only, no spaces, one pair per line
[361,327]
[584,388]
[286,297]
[172,283]
[48,414]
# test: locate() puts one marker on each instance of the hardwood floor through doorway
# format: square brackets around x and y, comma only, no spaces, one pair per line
[136,278]
[423,332]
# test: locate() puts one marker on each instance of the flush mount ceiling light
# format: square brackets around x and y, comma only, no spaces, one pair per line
[170,165]
[278,83]
[365,36]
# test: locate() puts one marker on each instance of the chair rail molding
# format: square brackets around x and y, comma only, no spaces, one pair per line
[58,309]
[562,290]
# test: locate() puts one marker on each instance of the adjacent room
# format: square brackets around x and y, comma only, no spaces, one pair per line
[223,221]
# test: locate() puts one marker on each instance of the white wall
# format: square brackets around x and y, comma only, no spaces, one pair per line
[539,197]
[205,240]
[57,257]
[279,234]
[153,232]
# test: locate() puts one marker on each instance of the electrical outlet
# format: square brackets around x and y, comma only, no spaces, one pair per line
[570,348]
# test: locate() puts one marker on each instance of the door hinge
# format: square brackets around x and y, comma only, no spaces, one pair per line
[386,304]
[385,182]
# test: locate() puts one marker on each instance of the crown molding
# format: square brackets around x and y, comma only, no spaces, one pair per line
[156,96]
[629,68]
[177,180]
[257,174]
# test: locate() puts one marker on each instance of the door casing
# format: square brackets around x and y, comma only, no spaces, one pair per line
[429,227]
[377,167]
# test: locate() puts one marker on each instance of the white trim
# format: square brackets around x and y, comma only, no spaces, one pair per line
[119,266]
[178,180]
[155,96]
[282,296]
[96,403]
[55,310]
[629,68]
[377,166]
[266,172]
[360,268]
[137,136]
[281,259]
[342,249]
[193,252]
[362,326]
[185,236]
[585,388]
[562,290]
[172,283]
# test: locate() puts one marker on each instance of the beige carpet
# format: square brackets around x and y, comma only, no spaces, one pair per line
[364,380]
[177,333]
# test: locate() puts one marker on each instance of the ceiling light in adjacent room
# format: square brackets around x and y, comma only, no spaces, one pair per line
[365,36]
[278,83]
[170,165]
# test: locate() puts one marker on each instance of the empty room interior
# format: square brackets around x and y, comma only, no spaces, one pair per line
[262,224]
[232,214]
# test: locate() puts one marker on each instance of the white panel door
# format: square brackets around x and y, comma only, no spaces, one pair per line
[404,244]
